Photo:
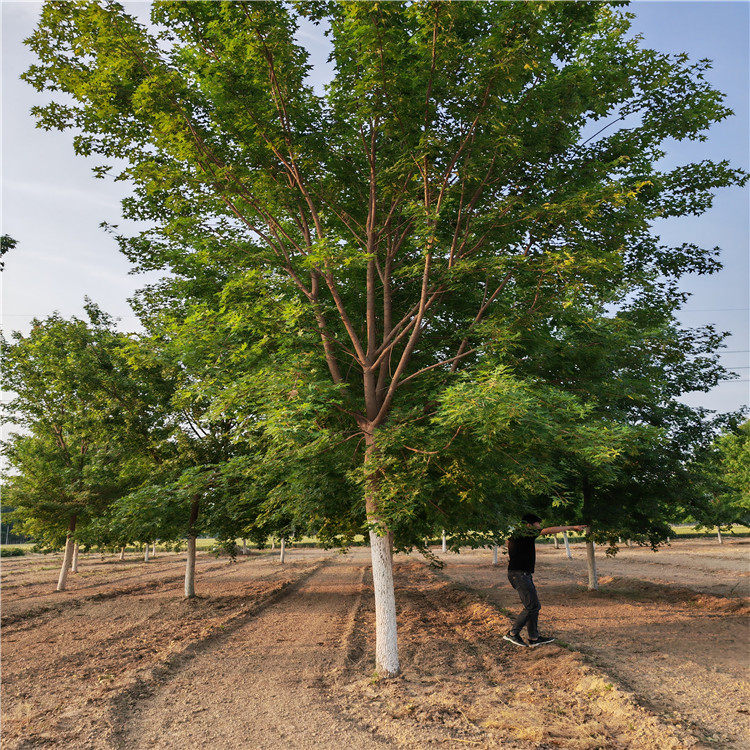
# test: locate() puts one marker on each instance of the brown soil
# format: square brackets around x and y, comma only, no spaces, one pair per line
[281,656]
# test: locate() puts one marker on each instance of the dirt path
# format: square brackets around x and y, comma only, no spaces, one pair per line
[262,685]
[281,656]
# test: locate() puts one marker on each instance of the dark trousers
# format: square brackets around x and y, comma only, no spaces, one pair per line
[523,583]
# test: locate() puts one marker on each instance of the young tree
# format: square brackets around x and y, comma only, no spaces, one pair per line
[85,426]
[437,198]
[724,484]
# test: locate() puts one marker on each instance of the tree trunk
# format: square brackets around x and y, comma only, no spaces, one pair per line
[153,550]
[718,535]
[386,638]
[567,545]
[591,564]
[381,551]
[74,563]
[245,550]
[282,553]
[190,563]
[68,556]
[145,554]
[494,554]
[445,543]
[122,553]
[557,542]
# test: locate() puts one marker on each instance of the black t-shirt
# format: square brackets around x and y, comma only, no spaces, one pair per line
[522,549]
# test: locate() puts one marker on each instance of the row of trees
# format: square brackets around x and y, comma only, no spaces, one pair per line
[425,298]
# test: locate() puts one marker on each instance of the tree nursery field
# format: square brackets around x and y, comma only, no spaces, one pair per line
[282,656]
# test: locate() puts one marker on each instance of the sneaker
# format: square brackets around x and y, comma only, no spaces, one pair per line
[513,638]
[540,641]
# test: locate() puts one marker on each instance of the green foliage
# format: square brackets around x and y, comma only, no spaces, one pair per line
[422,298]
[12,552]
[88,422]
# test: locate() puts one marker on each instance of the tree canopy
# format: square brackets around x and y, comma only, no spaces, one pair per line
[381,254]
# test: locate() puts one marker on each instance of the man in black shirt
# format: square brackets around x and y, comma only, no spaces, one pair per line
[521,561]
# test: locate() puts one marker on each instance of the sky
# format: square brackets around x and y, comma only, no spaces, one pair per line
[52,205]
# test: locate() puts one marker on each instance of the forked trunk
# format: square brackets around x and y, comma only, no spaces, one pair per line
[591,564]
[68,556]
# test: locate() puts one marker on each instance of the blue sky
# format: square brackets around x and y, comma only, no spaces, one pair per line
[53,205]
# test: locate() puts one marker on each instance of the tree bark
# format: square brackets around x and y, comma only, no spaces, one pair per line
[68,556]
[122,553]
[386,639]
[557,541]
[145,554]
[74,563]
[445,543]
[591,564]
[381,551]
[190,563]
[494,554]
[718,535]
[282,553]
[567,545]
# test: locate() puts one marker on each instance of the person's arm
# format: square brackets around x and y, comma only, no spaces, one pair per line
[558,529]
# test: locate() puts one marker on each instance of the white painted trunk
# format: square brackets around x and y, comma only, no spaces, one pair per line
[445,543]
[494,554]
[122,553]
[74,563]
[630,542]
[282,554]
[66,563]
[718,534]
[591,564]
[557,542]
[273,545]
[145,554]
[567,545]
[190,569]
[244,547]
[153,550]
[386,640]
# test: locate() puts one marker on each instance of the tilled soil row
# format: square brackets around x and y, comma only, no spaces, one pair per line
[463,686]
[22,602]
[107,649]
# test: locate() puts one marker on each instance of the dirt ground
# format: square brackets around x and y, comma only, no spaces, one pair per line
[281,656]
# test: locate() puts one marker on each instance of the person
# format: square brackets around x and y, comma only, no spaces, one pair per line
[521,561]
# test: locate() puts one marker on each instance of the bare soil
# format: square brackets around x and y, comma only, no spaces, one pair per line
[281,656]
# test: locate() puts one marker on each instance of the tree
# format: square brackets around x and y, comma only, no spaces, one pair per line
[86,426]
[6,243]
[439,198]
[724,486]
